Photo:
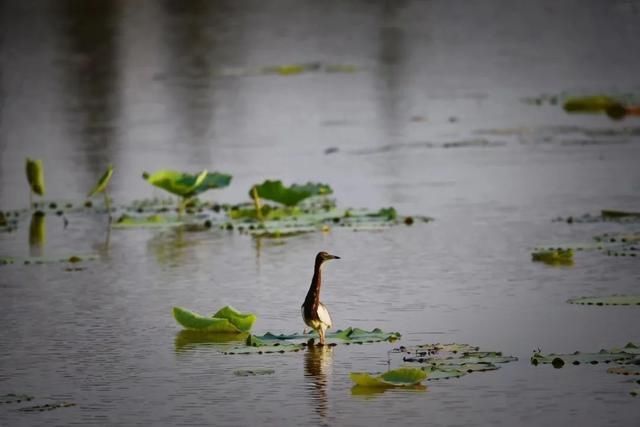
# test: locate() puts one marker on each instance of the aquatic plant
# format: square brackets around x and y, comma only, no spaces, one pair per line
[282,343]
[227,320]
[101,187]
[288,196]
[557,256]
[607,300]
[47,407]
[453,359]
[401,377]
[35,177]
[186,185]
[14,398]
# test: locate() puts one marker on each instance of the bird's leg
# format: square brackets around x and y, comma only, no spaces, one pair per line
[321,333]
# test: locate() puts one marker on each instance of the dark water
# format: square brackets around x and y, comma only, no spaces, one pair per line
[432,123]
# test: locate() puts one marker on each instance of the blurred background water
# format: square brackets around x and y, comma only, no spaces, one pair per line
[423,110]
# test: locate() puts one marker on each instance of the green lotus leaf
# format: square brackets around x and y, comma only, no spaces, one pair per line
[607,300]
[401,377]
[229,321]
[242,321]
[629,353]
[102,182]
[290,196]
[346,336]
[187,185]
[609,213]
[554,256]
[35,176]
[590,104]
[442,372]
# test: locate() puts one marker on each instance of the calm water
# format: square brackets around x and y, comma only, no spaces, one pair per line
[149,85]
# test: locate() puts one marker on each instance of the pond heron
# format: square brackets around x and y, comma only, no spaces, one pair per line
[314,313]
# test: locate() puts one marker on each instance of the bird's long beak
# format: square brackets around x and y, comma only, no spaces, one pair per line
[334,256]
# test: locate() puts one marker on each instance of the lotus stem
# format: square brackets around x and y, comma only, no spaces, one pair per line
[256,203]
[182,204]
[107,203]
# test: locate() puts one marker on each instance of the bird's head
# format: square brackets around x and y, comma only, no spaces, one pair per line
[325,256]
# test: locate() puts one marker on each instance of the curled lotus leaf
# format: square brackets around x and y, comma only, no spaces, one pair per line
[35,176]
[401,377]
[230,321]
[185,184]
[102,182]
[290,196]
[607,300]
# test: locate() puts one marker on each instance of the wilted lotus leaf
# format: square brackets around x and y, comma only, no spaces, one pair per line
[629,353]
[228,320]
[290,196]
[187,185]
[401,377]
[607,300]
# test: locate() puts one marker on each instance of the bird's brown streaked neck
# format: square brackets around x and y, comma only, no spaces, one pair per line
[313,295]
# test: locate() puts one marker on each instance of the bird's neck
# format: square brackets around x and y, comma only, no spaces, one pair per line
[313,295]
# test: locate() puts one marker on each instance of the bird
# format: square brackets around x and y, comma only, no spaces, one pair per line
[314,313]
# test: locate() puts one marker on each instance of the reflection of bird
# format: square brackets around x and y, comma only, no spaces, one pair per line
[315,313]
[317,361]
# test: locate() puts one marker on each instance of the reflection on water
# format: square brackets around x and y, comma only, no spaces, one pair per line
[172,247]
[370,392]
[187,339]
[37,234]
[317,369]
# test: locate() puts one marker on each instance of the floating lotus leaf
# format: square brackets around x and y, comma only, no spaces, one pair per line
[35,176]
[253,372]
[609,213]
[47,260]
[590,104]
[102,182]
[554,257]
[607,300]
[629,353]
[290,196]
[346,336]
[14,398]
[229,322]
[401,377]
[47,407]
[625,370]
[187,185]
[150,221]
[452,360]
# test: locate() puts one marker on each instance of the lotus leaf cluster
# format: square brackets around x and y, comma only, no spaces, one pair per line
[452,360]
[227,320]
[282,343]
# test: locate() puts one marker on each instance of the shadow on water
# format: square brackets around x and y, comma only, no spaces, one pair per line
[91,84]
[317,364]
